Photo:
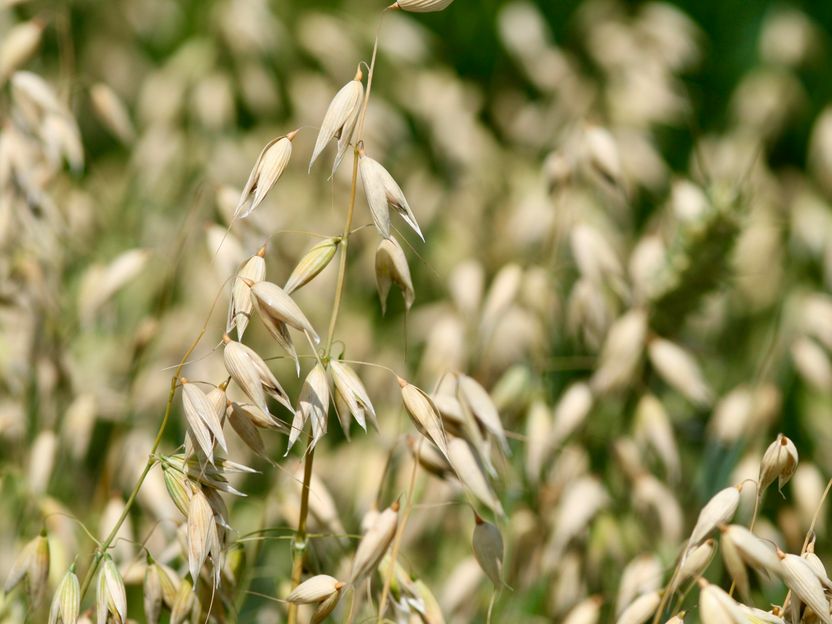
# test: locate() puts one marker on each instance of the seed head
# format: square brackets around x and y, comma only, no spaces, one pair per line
[488,550]
[66,604]
[266,171]
[383,193]
[392,268]
[315,261]
[340,120]
[779,462]
[314,589]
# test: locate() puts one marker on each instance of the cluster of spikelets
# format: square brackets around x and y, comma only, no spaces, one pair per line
[601,339]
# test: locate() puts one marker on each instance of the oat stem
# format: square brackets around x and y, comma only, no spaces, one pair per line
[299,547]
[151,458]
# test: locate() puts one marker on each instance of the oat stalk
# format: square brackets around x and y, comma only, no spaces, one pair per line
[299,542]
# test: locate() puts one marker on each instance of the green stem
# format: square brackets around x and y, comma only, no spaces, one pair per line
[299,547]
[151,459]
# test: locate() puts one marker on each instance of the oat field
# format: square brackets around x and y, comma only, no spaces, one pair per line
[443,311]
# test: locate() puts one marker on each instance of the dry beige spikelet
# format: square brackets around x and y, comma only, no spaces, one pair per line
[340,120]
[653,426]
[315,589]
[428,456]
[66,604]
[582,498]
[595,256]
[42,461]
[640,576]
[588,611]
[246,430]
[571,411]
[813,364]
[621,353]
[382,193]
[717,607]
[152,593]
[477,399]
[421,6]
[695,562]
[18,45]
[471,474]
[252,375]
[257,417]
[325,608]
[538,431]
[313,262]
[184,603]
[718,510]
[31,563]
[488,549]
[350,391]
[753,550]
[112,112]
[641,609]
[424,414]
[602,152]
[110,597]
[679,618]
[278,311]
[200,520]
[313,406]
[735,565]
[678,368]
[204,421]
[802,580]
[239,307]
[392,268]
[266,171]
[374,544]
[779,462]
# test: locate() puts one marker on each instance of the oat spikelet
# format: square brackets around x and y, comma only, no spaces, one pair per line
[111,597]
[471,474]
[200,520]
[588,611]
[753,550]
[266,171]
[383,193]
[421,6]
[204,419]
[18,45]
[695,562]
[239,308]
[374,544]
[313,406]
[392,268]
[340,120]
[315,589]
[717,607]
[184,603]
[351,392]
[479,402]
[719,510]
[153,596]
[779,462]
[801,579]
[680,370]
[641,609]
[424,414]
[313,262]
[250,372]
[112,112]
[621,353]
[66,604]
[488,550]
